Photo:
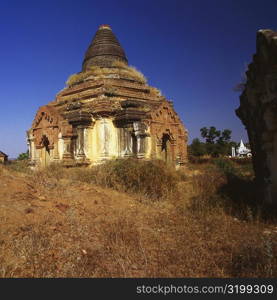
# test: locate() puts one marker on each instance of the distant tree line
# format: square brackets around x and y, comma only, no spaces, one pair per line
[217,143]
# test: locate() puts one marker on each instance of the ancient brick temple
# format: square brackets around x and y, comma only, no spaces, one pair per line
[107,111]
[258,112]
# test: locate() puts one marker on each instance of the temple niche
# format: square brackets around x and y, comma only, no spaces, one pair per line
[258,112]
[107,111]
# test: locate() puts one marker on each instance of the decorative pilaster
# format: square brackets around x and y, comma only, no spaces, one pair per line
[80,141]
[125,143]
[80,120]
[104,139]
[60,146]
[36,156]
[139,131]
[67,147]
[31,148]
[67,153]
[55,150]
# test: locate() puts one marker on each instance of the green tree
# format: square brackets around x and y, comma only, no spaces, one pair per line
[224,142]
[216,142]
[23,156]
[210,134]
[197,148]
[225,136]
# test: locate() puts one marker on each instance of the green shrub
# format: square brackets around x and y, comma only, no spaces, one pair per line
[199,160]
[226,166]
[23,156]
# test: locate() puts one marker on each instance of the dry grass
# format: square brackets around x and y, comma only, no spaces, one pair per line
[2,169]
[119,64]
[18,166]
[149,179]
[155,91]
[129,71]
[77,225]
[118,68]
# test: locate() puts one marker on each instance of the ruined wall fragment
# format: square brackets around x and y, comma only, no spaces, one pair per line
[258,112]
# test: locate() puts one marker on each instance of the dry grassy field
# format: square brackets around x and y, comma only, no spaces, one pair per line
[135,219]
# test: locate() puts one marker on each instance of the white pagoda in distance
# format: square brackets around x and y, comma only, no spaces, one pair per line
[241,151]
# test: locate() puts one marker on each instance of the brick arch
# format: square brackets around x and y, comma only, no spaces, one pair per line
[166,122]
[46,115]
[46,125]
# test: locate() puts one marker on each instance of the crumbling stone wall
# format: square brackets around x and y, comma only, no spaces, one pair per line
[258,112]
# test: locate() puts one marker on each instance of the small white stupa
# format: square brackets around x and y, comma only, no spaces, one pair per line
[242,150]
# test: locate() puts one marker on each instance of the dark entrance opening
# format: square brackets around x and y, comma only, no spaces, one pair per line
[166,149]
[45,142]
[45,151]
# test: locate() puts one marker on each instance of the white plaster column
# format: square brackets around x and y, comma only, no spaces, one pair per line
[55,152]
[104,138]
[32,151]
[60,146]
[139,129]
[36,155]
[67,148]
[127,142]
[31,146]
[80,141]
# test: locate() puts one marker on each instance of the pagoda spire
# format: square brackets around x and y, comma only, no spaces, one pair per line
[104,49]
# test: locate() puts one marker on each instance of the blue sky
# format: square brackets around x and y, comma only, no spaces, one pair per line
[195,52]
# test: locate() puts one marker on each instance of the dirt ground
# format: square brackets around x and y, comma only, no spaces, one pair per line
[61,228]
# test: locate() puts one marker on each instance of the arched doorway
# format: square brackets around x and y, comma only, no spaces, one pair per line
[166,151]
[45,155]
